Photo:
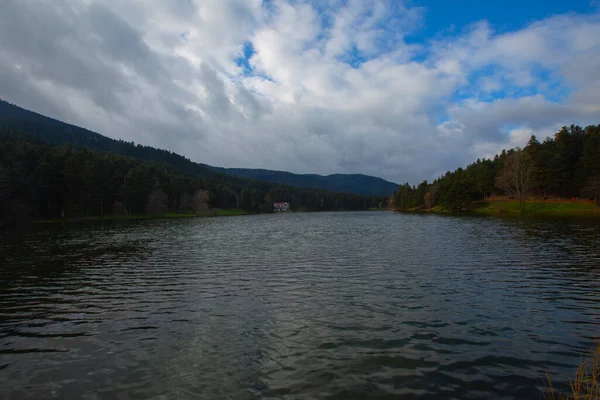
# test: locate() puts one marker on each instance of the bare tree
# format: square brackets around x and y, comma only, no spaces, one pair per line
[515,177]
[200,201]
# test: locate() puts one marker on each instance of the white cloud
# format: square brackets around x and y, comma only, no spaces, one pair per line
[335,86]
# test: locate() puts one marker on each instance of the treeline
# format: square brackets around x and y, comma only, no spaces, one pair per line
[39,180]
[566,165]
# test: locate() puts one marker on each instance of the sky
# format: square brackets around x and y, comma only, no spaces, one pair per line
[403,90]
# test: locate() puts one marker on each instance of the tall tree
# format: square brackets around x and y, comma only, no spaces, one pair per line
[515,177]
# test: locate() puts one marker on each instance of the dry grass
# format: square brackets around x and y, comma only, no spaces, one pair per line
[586,385]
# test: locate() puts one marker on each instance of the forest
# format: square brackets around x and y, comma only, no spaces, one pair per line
[42,180]
[566,166]
[57,132]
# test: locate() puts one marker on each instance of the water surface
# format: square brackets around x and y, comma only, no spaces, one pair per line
[297,306]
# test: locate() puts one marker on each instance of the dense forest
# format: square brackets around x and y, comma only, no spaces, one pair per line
[564,166]
[344,183]
[44,180]
[57,132]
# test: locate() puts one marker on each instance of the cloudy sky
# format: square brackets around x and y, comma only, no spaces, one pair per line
[404,90]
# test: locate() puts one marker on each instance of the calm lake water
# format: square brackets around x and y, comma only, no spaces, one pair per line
[297,306]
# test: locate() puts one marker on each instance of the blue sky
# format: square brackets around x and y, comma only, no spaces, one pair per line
[404,90]
[503,15]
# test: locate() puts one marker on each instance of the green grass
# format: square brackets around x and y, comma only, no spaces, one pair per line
[138,217]
[440,210]
[435,210]
[177,215]
[548,208]
[229,212]
[536,208]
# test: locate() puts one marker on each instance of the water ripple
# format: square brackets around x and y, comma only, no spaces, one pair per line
[298,306]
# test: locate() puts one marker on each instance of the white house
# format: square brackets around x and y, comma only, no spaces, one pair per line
[282,206]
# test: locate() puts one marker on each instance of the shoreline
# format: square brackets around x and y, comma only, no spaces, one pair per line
[483,207]
[141,217]
[511,208]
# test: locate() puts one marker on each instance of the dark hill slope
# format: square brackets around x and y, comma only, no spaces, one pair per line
[57,132]
[345,183]
[60,133]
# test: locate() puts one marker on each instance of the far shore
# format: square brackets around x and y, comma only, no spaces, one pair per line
[576,208]
[570,208]
[135,217]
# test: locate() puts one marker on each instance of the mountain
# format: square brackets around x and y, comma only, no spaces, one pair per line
[57,132]
[51,130]
[344,183]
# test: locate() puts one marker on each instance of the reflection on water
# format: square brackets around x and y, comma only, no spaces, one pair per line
[333,305]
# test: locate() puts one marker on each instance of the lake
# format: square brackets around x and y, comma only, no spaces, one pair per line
[298,306]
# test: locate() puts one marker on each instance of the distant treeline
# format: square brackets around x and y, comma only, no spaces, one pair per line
[44,180]
[566,165]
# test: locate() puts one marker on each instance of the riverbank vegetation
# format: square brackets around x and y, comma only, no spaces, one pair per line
[562,169]
[537,207]
[585,385]
[136,217]
[40,180]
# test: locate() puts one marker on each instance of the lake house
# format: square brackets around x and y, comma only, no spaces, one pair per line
[281,206]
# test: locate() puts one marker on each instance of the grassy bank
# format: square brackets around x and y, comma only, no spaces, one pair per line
[229,212]
[421,210]
[137,217]
[502,207]
[562,208]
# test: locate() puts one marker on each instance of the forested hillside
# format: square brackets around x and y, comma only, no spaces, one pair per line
[345,183]
[40,180]
[564,166]
[57,132]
